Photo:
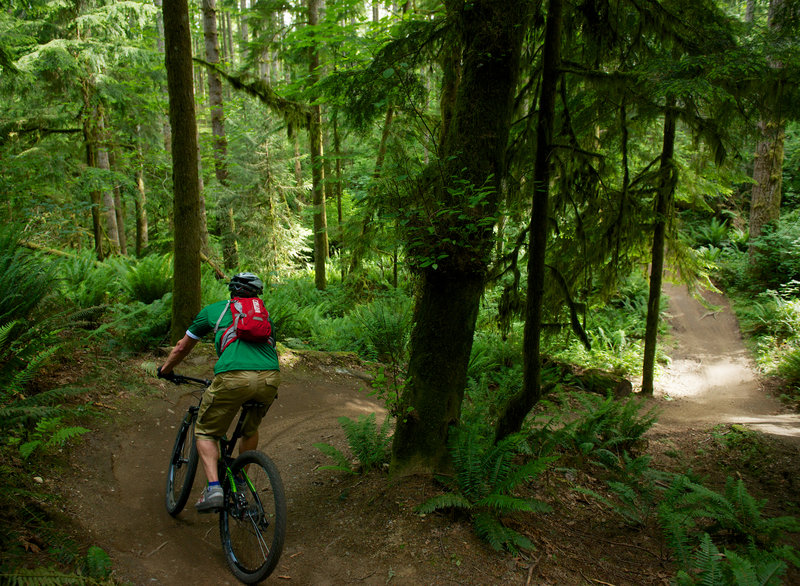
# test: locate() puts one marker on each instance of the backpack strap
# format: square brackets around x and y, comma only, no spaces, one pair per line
[224,311]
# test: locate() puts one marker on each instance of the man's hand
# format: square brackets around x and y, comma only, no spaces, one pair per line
[168,376]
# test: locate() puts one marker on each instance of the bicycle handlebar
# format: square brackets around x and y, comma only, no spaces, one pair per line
[180,379]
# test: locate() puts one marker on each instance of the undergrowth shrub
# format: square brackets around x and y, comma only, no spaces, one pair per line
[94,569]
[634,488]
[26,278]
[149,278]
[369,443]
[615,329]
[777,251]
[84,282]
[697,521]
[602,429]
[483,487]
[138,326]
[385,324]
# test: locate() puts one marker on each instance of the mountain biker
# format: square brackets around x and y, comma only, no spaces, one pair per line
[244,371]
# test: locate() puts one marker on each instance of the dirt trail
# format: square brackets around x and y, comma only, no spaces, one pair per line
[711,378]
[356,531]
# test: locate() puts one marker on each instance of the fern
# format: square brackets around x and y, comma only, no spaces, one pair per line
[21,378]
[707,563]
[342,463]
[692,514]
[369,444]
[50,433]
[98,563]
[46,577]
[485,477]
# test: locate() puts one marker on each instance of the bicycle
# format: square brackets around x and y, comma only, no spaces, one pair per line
[252,520]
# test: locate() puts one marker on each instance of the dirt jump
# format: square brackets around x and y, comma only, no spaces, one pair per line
[352,530]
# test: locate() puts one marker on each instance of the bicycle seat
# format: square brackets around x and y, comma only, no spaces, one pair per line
[252,404]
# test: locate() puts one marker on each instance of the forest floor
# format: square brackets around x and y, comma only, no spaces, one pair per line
[363,529]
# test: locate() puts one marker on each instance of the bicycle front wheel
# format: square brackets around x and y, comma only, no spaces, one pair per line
[253,523]
[182,466]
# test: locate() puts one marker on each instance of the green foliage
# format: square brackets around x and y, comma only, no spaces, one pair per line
[388,388]
[86,283]
[745,445]
[776,252]
[386,325]
[772,322]
[137,326]
[604,429]
[26,279]
[634,489]
[369,443]
[50,433]
[616,328]
[98,563]
[693,516]
[149,279]
[486,477]
[94,570]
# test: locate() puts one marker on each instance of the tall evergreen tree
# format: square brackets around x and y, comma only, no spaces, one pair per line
[451,233]
[186,207]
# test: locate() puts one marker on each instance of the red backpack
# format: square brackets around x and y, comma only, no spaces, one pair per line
[250,323]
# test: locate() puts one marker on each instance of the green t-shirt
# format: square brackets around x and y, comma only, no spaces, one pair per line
[238,355]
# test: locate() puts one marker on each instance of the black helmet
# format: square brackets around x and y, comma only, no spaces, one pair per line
[245,285]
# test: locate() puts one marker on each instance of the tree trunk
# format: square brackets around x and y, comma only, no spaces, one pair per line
[90,140]
[317,171]
[119,205]
[514,413]
[337,153]
[166,130]
[666,191]
[472,154]
[225,218]
[244,35]
[142,235]
[109,209]
[765,199]
[186,208]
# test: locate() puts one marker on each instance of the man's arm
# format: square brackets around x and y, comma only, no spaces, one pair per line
[178,353]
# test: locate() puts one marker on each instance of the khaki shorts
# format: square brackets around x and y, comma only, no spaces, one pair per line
[222,400]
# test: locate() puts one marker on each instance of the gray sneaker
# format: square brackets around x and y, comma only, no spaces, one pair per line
[211,500]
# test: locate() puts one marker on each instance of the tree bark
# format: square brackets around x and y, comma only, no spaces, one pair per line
[472,156]
[109,207]
[119,205]
[166,130]
[765,199]
[90,140]
[515,411]
[225,217]
[317,169]
[186,208]
[663,208]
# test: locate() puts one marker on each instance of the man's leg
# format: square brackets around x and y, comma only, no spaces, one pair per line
[209,455]
[248,443]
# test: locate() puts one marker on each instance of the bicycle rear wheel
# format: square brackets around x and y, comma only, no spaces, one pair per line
[182,466]
[253,523]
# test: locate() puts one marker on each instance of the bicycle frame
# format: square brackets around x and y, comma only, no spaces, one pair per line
[252,519]
[226,445]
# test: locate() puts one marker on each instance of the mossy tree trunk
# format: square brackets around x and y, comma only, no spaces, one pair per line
[455,245]
[765,199]
[663,209]
[225,218]
[518,407]
[317,165]
[186,206]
